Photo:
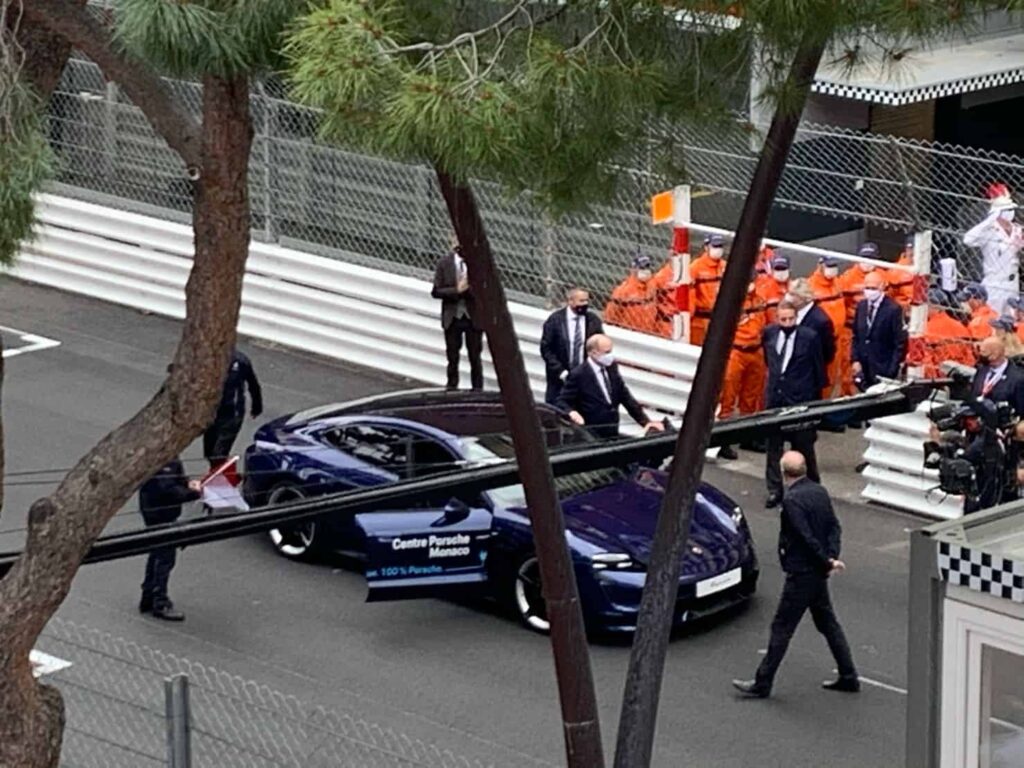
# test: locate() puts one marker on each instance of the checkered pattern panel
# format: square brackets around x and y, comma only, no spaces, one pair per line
[981,571]
[913,95]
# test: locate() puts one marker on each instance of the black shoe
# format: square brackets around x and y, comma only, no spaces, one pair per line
[728,452]
[844,684]
[167,612]
[773,500]
[749,689]
[145,604]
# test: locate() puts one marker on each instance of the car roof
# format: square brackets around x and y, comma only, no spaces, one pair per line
[403,400]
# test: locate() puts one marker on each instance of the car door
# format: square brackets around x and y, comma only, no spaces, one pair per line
[429,549]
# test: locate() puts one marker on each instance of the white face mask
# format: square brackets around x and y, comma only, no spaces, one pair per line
[605,360]
[872,294]
[716,253]
[966,307]
[1007,215]
[782,275]
[830,272]
[643,275]
[751,287]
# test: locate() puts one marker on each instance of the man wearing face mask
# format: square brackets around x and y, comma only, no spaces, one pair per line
[773,287]
[852,284]
[973,300]
[824,283]
[633,303]
[563,339]
[1000,240]
[945,337]
[743,385]
[796,374]
[594,391]
[706,274]
[665,285]
[879,338]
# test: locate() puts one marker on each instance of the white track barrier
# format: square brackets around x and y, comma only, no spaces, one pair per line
[376,319]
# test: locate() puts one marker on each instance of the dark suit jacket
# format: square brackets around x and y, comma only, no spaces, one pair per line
[804,377]
[810,534]
[446,282]
[1009,388]
[819,322]
[161,497]
[880,351]
[583,393]
[556,347]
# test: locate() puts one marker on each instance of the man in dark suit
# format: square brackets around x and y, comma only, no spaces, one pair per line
[796,374]
[810,315]
[879,339]
[996,378]
[160,500]
[594,390]
[809,543]
[227,423]
[564,337]
[451,286]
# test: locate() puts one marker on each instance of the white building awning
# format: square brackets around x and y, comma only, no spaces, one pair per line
[923,74]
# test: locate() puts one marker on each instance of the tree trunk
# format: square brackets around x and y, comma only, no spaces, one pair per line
[654,624]
[64,525]
[3,463]
[581,728]
[46,53]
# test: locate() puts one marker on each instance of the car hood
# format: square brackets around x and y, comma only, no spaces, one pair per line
[623,517]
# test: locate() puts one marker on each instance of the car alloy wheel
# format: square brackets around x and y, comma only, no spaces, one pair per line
[529,597]
[297,542]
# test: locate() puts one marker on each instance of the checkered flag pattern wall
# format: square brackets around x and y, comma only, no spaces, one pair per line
[981,571]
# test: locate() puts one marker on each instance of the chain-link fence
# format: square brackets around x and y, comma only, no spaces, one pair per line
[391,215]
[119,715]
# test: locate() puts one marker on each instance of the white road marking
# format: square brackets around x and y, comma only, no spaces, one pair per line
[33,343]
[45,664]
[883,686]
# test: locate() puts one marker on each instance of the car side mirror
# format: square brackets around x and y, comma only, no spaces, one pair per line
[455,511]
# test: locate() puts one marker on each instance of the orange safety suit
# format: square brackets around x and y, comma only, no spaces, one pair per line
[745,373]
[851,283]
[633,305]
[665,299]
[706,276]
[901,283]
[1020,331]
[829,296]
[763,265]
[771,292]
[945,338]
[978,326]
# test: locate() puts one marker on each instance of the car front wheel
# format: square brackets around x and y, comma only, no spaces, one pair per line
[296,542]
[528,596]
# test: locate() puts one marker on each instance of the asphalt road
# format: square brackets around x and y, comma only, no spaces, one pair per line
[454,675]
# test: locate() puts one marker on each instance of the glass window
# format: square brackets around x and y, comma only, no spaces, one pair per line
[1001,742]
[383,447]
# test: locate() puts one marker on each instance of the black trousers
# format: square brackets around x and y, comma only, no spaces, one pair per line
[159,565]
[802,441]
[453,334]
[219,437]
[802,592]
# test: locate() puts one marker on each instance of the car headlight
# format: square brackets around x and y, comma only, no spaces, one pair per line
[737,515]
[618,561]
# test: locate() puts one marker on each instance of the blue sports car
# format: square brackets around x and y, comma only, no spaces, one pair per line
[486,542]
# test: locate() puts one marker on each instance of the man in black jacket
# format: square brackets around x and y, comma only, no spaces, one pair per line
[796,375]
[810,315]
[879,338]
[451,286]
[227,423]
[594,390]
[563,340]
[996,378]
[809,543]
[160,500]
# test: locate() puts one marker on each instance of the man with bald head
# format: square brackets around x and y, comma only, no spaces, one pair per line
[996,378]
[879,338]
[594,390]
[809,544]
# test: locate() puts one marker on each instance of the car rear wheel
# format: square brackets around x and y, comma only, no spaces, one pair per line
[528,596]
[296,542]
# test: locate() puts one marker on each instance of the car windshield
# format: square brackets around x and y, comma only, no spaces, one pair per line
[488,449]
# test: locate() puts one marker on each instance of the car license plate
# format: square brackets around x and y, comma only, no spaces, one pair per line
[720,582]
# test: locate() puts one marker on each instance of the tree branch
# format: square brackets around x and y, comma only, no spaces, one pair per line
[143,86]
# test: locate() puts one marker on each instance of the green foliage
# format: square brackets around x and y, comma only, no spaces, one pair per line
[25,163]
[216,37]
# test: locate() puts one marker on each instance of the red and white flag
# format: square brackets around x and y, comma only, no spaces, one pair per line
[221,487]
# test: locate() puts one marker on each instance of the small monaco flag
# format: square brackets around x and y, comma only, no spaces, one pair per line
[220,487]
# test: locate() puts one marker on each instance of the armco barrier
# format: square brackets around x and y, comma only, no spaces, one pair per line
[381,320]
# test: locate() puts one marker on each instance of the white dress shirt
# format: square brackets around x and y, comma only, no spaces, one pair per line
[599,371]
[784,347]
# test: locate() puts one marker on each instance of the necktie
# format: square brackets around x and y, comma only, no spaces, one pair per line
[990,383]
[577,342]
[607,384]
[872,308]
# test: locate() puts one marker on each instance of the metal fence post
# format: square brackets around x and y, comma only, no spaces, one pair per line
[178,716]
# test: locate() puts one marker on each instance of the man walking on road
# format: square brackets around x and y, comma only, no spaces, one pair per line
[809,543]
[563,340]
[227,423]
